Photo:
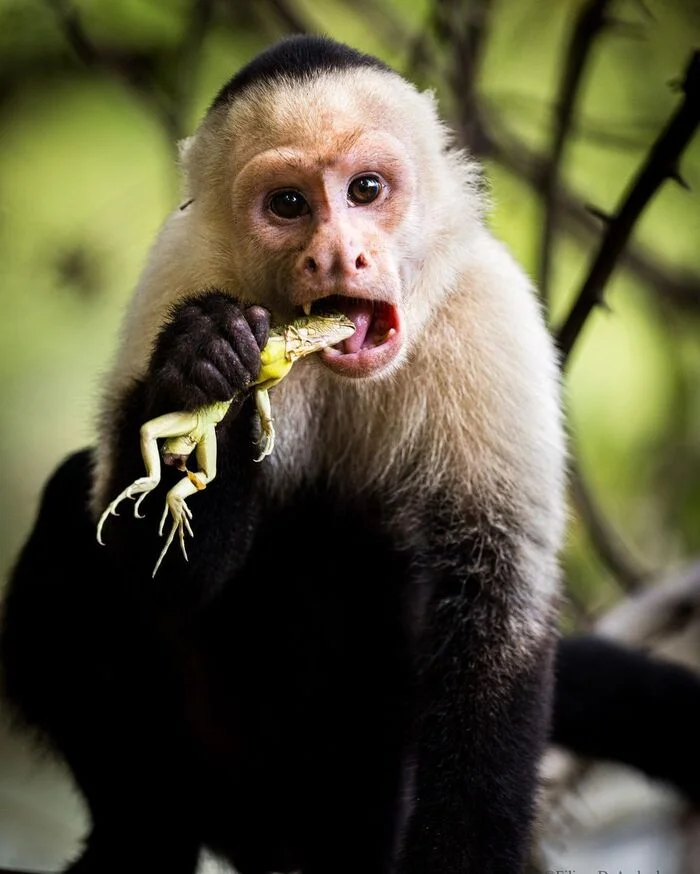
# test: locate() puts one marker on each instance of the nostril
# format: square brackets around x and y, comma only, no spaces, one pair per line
[310,265]
[360,261]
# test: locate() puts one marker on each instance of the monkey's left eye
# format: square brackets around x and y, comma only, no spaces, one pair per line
[364,189]
[289,204]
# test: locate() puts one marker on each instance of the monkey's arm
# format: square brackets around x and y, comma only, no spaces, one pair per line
[485,685]
[186,431]
[207,353]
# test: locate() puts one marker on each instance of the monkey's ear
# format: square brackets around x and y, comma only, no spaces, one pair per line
[183,151]
[183,148]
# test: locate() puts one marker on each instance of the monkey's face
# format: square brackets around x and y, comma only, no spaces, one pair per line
[325,205]
[326,220]
[337,191]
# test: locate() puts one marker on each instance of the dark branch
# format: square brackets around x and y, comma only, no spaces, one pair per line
[92,57]
[289,17]
[661,164]
[463,30]
[75,34]
[386,23]
[589,24]
[189,59]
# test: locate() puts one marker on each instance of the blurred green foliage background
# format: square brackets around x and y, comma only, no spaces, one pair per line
[94,94]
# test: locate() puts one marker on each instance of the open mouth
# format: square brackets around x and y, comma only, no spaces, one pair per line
[376,340]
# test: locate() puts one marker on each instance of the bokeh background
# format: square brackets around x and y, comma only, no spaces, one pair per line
[94,95]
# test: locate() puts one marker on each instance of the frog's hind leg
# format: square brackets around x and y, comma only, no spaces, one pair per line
[169,425]
[175,500]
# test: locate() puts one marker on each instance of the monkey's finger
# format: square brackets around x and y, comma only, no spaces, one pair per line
[225,358]
[170,388]
[215,385]
[259,320]
[240,335]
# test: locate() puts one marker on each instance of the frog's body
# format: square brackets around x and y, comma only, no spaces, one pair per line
[186,432]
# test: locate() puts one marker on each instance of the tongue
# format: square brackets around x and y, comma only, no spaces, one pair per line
[360,312]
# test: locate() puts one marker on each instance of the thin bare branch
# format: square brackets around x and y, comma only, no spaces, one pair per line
[661,164]
[604,539]
[589,24]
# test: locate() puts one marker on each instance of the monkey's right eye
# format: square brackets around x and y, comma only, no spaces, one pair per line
[288,204]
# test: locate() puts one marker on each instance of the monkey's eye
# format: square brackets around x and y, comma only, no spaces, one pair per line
[288,204]
[364,189]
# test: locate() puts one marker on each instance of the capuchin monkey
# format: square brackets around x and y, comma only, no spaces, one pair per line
[354,669]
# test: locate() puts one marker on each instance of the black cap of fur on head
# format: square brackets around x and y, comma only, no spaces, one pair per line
[296,57]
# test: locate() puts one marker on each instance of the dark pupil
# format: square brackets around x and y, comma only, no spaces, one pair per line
[288,204]
[364,190]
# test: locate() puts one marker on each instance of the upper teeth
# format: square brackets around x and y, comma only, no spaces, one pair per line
[306,307]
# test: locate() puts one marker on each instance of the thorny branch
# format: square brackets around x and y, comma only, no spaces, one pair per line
[661,164]
[684,293]
[683,290]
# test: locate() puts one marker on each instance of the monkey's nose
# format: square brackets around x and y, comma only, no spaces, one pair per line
[338,263]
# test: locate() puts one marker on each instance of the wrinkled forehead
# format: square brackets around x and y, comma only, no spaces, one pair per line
[324,114]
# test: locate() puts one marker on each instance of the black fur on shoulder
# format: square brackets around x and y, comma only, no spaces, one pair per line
[296,57]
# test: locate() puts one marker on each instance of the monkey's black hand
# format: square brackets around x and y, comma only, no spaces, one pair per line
[208,351]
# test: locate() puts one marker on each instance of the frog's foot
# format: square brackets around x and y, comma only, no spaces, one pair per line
[267,429]
[181,514]
[267,439]
[142,487]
